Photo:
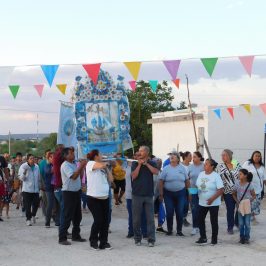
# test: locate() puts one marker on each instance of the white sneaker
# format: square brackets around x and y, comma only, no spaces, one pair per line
[194,231]
[34,220]
[28,223]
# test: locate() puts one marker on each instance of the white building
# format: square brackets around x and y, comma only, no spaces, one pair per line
[243,134]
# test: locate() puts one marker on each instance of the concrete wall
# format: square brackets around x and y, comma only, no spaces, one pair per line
[167,135]
[242,135]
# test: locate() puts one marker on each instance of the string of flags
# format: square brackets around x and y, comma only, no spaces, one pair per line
[134,68]
[230,110]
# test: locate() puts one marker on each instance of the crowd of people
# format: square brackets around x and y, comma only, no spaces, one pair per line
[64,188]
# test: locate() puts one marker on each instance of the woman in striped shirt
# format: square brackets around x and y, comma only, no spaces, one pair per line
[229,174]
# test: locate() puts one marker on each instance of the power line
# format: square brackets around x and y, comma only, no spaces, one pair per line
[26,110]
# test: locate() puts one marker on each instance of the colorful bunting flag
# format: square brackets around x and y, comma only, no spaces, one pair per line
[133,68]
[92,71]
[172,66]
[231,111]
[14,90]
[217,112]
[247,107]
[209,64]
[132,84]
[39,89]
[247,63]
[176,82]
[49,72]
[153,84]
[62,88]
[263,107]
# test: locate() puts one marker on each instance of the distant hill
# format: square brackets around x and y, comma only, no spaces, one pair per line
[24,136]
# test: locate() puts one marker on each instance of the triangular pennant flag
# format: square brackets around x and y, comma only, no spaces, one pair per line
[247,107]
[133,68]
[39,89]
[62,87]
[49,71]
[153,84]
[209,64]
[217,112]
[247,63]
[263,107]
[14,90]
[172,66]
[93,71]
[176,82]
[231,111]
[132,84]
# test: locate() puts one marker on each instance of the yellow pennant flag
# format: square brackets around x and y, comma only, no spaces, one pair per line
[133,68]
[247,107]
[62,88]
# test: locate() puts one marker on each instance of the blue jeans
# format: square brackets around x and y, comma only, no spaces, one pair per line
[84,199]
[59,197]
[174,203]
[186,207]
[130,220]
[244,225]
[50,204]
[230,208]
[195,210]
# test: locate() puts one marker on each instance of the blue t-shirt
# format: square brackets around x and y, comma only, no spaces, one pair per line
[193,173]
[166,162]
[174,177]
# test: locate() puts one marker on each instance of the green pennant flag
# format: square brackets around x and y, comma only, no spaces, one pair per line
[14,90]
[209,64]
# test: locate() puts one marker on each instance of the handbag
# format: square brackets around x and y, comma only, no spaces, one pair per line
[261,183]
[236,213]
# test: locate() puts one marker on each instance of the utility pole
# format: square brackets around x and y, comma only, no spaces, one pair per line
[37,127]
[9,142]
[192,115]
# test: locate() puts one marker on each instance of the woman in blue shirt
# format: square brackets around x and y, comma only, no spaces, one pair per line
[173,183]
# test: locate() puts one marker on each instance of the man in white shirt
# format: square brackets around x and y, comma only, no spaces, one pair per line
[71,196]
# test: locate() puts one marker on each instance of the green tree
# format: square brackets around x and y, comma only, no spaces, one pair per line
[46,143]
[182,106]
[143,102]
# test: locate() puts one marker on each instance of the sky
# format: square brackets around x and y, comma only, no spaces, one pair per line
[85,31]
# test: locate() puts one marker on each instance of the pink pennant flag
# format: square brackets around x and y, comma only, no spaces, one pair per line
[247,63]
[39,89]
[231,111]
[263,107]
[172,66]
[132,84]
[92,71]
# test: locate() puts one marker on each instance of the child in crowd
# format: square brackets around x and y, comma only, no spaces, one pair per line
[243,194]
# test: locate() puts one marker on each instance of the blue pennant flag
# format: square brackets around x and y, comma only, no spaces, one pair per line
[120,78]
[49,71]
[217,112]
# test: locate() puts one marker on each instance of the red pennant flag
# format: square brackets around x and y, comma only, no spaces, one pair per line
[176,82]
[263,107]
[132,84]
[92,71]
[231,111]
